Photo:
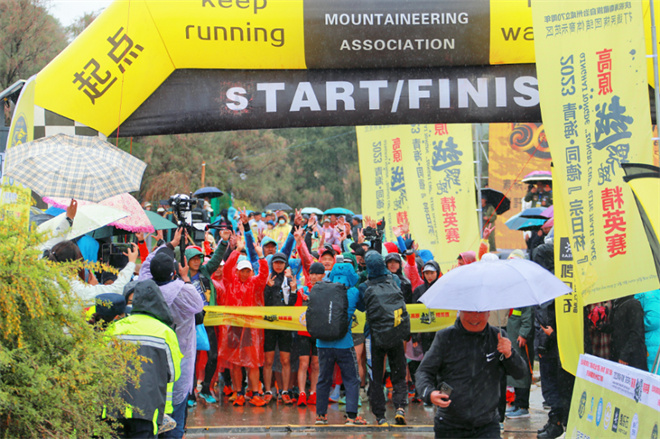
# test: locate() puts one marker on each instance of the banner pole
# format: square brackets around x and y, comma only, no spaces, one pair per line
[477,145]
[654,40]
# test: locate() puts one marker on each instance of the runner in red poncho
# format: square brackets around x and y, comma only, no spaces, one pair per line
[243,347]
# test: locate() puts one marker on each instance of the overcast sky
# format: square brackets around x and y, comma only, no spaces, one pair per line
[68,10]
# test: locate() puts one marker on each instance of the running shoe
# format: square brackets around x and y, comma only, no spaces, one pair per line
[257,401]
[208,398]
[342,400]
[227,391]
[268,396]
[519,413]
[312,399]
[400,417]
[302,399]
[192,403]
[383,422]
[286,398]
[359,420]
[240,401]
[321,420]
[334,395]
[233,397]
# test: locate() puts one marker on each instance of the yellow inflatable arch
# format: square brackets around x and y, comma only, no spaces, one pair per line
[161,66]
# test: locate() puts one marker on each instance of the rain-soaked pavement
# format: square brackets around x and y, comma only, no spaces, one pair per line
[280,421]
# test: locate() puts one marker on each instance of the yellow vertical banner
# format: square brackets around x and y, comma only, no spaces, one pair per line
[568,308]
[514,150]
[594,102]
[437,161]
[384,192]
[14,198]
[449,157]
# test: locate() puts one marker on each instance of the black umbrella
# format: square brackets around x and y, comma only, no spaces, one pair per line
[208,192]
[496,199]
[278,206]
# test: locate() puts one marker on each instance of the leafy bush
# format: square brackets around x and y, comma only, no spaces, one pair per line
[57,372]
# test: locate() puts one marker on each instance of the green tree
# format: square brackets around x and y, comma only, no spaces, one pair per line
[57,372]
[299,166]
[326,166]
[80,24]
[29,38]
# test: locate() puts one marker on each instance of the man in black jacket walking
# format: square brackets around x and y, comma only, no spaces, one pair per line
[467,360]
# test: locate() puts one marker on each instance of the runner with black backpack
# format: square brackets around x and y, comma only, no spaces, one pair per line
[332,303]
[389,325]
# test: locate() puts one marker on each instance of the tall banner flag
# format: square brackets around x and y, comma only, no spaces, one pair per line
[514,150]
[384,192]
[437,163]
[594,101]
[568,308]
[613,400]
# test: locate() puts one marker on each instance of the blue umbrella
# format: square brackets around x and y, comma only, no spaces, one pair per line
[208,192]
[519,222]
[532,212]
[338,211]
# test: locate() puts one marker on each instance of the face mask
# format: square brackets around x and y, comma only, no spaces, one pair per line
[281,221]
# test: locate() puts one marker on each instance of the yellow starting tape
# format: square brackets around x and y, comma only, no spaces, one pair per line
[422,319]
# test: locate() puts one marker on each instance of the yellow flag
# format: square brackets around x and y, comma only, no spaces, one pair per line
[440,166]
[569,308]
[595,107]
[384,190]
[437,162]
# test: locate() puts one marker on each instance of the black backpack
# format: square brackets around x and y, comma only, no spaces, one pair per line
[327,311]
[387,316]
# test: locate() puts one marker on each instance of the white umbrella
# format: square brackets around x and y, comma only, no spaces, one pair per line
[88,218]
[492,285]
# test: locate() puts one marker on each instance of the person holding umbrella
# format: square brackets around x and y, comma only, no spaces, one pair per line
[461,372]
[461,375]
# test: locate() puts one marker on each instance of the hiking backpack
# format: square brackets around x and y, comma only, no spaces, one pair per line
[387,316]
[327,311]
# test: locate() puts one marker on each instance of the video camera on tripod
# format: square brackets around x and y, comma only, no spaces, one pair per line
[182,207]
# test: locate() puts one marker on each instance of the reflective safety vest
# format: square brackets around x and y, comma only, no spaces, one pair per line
[158,343]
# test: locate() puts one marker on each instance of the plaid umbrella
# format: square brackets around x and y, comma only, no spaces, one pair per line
[80,167]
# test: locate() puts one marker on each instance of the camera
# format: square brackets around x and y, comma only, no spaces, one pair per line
[371,234]
[108,250]
[182,204]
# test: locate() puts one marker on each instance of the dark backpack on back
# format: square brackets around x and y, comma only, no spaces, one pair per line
[327,311]
[387,316]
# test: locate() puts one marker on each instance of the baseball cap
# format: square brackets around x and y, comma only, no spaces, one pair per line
[327,250]
[162,266]
[244,264]
[160,210]
[317,268]
[279,257]
[429,267]
[110,305]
